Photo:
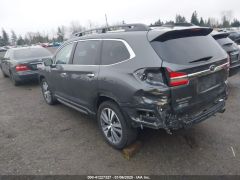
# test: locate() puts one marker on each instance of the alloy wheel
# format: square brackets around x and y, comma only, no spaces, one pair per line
[111,125]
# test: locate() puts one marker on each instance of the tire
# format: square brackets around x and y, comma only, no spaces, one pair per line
[116,131]
[47,93]
[14,81]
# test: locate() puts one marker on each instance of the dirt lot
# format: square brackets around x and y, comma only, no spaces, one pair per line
[39,139]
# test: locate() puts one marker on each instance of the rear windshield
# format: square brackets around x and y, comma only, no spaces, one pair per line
[234,35]
[187,49]
[225,41]
[29,53]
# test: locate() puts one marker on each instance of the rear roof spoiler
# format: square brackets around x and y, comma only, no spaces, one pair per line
[220,35]
[175,33]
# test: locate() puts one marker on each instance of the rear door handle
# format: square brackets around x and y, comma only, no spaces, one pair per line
[90,75]
[63,75]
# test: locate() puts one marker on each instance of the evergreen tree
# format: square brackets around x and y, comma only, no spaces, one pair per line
[14,38]
[180,19]
[20,41]
[225,22]
[194,18]
[1,41]
[158,23]
[235,23]
[169,22]
[201,22]
[5,37]
[26,40]
[208,23]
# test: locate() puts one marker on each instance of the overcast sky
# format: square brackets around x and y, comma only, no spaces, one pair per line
[45,15]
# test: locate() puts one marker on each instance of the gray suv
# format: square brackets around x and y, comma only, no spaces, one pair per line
[133,76]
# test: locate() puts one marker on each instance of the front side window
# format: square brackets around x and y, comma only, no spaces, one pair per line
[87,52]
[113,52]
[63,56]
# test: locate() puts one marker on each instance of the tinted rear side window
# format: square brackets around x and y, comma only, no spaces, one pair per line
[87,53]
[114,52]
[187,49]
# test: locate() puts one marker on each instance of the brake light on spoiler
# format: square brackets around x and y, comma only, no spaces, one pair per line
[177,78]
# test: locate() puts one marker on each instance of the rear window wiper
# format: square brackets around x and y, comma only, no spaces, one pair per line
[228,44]
[202,59]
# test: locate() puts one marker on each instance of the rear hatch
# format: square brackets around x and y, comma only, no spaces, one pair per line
[196,68]
[229,46]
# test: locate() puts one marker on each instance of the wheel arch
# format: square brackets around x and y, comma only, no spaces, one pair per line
[41,77]
[103,97]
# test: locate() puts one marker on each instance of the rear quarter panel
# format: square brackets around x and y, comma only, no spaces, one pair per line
[118,81]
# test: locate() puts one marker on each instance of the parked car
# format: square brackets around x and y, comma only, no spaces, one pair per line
[133,76]
[2,49]
[231,48]
[20,64]
[235,36]
[54,44]
[44,45]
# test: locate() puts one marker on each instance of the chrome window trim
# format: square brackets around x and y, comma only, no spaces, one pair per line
[59,49]
[130,51]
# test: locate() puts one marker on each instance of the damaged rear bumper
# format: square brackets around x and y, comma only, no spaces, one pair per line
[159,118]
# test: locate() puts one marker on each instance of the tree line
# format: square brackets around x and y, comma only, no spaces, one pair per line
[30,37]
[226,21]
[60,34]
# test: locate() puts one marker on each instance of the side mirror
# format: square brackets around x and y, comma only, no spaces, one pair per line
[48,62]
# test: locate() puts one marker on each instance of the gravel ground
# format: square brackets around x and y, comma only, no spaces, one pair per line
[36,138]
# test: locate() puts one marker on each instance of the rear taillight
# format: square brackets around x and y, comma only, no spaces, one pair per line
[177,78]
[21,67]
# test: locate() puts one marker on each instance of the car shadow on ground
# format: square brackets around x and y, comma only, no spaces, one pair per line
[29,84]
[151,140]
[148,136]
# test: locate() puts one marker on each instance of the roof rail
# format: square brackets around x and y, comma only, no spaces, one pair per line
[118,28]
